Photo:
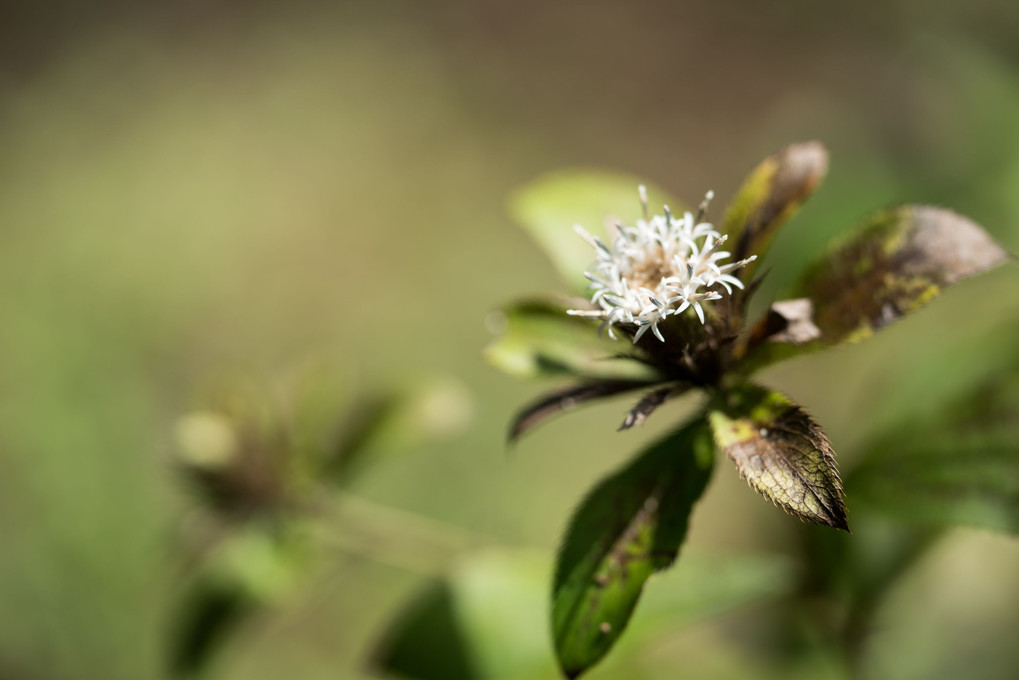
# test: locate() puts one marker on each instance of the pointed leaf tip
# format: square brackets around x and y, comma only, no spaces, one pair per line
[630,526]
[562,400]
[782,453]
[897,261]
[770,195]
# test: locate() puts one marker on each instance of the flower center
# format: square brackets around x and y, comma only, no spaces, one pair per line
[660,267]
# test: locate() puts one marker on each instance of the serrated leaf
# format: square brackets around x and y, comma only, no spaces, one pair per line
[781,452]
[630,526]
[550,206]
[900,259]
[959,468]
[769,196]
[537,338]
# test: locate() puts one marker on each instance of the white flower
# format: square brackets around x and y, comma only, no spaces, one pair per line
[658,268]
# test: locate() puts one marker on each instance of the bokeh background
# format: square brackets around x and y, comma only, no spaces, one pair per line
[195,190]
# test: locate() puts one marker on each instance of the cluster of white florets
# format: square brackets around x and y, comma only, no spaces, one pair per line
[660,267]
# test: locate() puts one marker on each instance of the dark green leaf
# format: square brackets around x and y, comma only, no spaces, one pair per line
[898,261]
[565,399]
[538,338]
[650,402]
[630,526]
[550,206]
[781,452]
[769,196]
[208,616]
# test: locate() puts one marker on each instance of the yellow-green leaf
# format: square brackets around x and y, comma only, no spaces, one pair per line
[781,452]
[537,338]
[550,206]
[769,196]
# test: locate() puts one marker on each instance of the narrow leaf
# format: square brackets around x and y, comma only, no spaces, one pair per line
[770,195]
[537,338]
[782,453]
[562,400]
[550,206]
[650,402]
[899,260]
[630,526]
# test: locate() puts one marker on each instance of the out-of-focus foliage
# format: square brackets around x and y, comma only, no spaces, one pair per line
[264,483]
[957,466]
[195,189]
[488,615]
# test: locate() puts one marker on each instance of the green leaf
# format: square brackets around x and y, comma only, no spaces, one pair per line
[630,526]
[781,452]
[960,467]
[550,206]
[537,338]
[769,196]
[247,572]
[900,259]
[486,615]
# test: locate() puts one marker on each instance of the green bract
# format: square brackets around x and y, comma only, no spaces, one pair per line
[634,522]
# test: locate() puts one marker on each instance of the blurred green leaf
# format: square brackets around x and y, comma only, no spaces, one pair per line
[550,206]
[770,195]
[629,527]
[959,467]
[487,615]
[537,338]
[251,569]
[209,614]
[897,261]
[781,452]
[702,586]
[395,421]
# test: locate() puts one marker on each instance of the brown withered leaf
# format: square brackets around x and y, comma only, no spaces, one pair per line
[781,452]
[790,321]
[899,260]
[769,196]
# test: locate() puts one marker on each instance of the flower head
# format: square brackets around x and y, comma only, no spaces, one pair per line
[660,267]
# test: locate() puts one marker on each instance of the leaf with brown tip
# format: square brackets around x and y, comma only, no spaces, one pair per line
[769,196]
[900,259]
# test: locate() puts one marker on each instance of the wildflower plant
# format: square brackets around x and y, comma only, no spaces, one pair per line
[665,312]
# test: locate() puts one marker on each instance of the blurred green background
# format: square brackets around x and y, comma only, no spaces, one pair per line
[196,190]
